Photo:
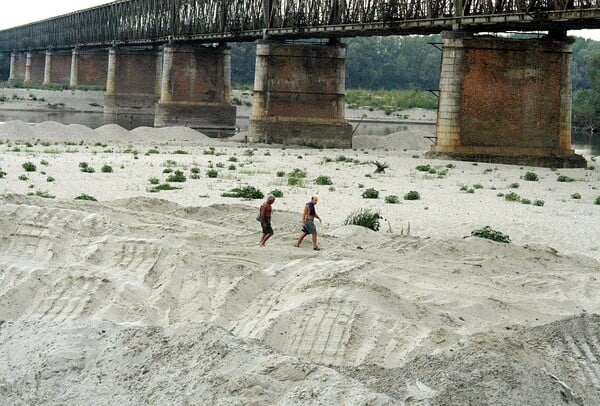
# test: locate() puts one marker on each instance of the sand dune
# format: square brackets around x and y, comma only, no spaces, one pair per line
[166,298]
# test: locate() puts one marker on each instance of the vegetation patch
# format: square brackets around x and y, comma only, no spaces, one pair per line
[247,192]
[370,193]
[178,176]
[531,177]
[488,233]
[412,195]
[392,199]
[364,218]
[29,166]
[84,196]
[323,180]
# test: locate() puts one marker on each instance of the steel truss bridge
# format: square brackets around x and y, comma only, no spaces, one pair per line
[143,22]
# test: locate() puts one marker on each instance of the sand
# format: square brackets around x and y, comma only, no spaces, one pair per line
[165,297]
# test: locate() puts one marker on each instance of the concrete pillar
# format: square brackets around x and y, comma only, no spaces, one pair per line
[48,68]
[35,67]
[506,100]
[73,80]
[131,86]
[299,95]
[195,89]
[89,68]
[18,61]
[13,69]
[28,63]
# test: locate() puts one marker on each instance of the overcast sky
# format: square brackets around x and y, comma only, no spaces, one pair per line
[21,12]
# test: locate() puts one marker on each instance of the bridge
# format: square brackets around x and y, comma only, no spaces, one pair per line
[501,99]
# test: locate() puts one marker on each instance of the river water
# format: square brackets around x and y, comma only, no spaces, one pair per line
[588,144]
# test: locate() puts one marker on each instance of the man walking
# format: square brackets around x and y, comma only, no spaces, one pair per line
[308,223]
[265,219]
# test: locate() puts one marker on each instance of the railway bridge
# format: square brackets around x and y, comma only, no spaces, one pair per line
[501,99]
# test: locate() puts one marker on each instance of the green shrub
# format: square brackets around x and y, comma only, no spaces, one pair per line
[88,169]
[412,195]
[513,186]
[106,168]
[29,166]
[49,179]
[477,186]
[575,196]
[423,168]
[83,196]
[490,234]
[178,176]
[2,174]
[280,174]
[531,176]
[370,193]
[23,177]
[232,159]
[44,162]
[195,170]
[392,199]
[297,173]
[564,178]
[323,180]
[152,151]
[154,181]
[247,192]
[512,197]
[231,167]
[538,202]
[525,201]
[167,170]
[293,181]
[180,152]
[164,186]
[212,173]
[276,193]
[365,218]
[597,201]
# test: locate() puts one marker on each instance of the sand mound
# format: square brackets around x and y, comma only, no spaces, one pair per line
[17,129]
[409,140]
[135,297]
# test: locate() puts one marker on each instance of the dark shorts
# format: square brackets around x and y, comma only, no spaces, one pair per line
[309,227]
[266,228]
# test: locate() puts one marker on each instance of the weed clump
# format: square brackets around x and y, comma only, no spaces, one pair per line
[178,176]
[412,195]
[488,233]
[370,193]
[106,168]
[212,173]
[84,196]
[392,199]
[276,192]
[247,192]
[531,177]
[323,180]
[564,178]
[29,166]
[512,197]
[365,218]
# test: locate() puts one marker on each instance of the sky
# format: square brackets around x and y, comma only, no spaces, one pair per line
[27,11]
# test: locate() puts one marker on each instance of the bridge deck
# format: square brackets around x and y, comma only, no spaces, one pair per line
[140,22]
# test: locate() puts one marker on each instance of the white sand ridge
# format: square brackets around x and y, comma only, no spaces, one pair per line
[369,300]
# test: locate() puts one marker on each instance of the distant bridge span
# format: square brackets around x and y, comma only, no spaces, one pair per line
[209,21]
[501,99]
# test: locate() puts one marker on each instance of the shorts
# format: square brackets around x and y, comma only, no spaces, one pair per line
[266,228]
[309,227]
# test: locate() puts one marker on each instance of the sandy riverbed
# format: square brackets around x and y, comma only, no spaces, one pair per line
[164,297]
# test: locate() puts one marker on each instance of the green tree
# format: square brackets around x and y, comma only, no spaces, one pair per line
[586,102]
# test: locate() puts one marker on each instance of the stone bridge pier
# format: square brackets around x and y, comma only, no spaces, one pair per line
[506,100]
[132,86]
[88,68]
[18,62]
[299,95]
[196,89]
